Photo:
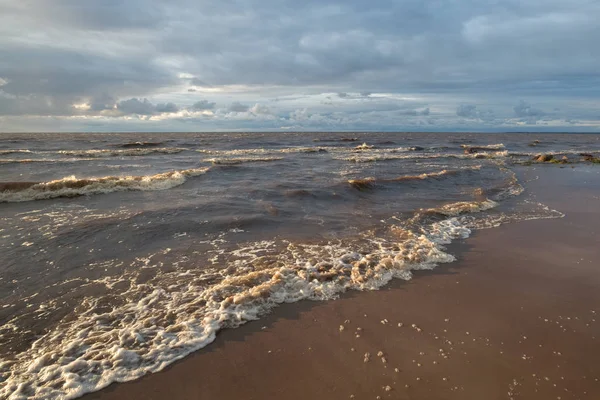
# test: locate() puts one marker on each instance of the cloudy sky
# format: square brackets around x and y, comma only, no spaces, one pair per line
[198,65]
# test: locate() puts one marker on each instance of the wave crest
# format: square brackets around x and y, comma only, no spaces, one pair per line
[242,160]
[72,186]
[123,152]
[14,151]
[367,183]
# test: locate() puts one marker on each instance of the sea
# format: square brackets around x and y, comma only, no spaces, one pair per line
[121,253]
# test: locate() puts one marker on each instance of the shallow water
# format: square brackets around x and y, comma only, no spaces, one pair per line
[122,253]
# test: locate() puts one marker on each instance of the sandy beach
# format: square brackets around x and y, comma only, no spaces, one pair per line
[299,200]
[516,317]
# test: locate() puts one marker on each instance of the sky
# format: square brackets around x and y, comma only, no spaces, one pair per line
[289,65]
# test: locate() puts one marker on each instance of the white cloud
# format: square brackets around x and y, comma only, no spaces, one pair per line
[260,109]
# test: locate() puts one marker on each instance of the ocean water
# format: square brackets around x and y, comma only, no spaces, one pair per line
[121,253]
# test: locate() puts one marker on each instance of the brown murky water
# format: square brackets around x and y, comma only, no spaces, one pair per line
[122,253]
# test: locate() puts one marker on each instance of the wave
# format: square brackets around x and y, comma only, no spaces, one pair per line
[304,150]
[166,322]
[242,160]
[362,184]
[336,140]
[392,155]
[498,146]
[72,186]
[461,207]
[14,151]
[367,183]
[552,152]
[383,157]
[117,153]
[22,160]
[260,151]
[237,152]
[139,144]
[42,160]
[163,320]
[299,193]
[484,154]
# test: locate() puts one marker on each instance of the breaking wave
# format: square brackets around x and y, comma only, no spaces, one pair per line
[124,152]
[14,151]
[461,207]
[256,151]
[71,186]
[366,183]
[161,323]
[241,160]
[393,155]
[139,144]
[42,160]
[553,153]
[498,146]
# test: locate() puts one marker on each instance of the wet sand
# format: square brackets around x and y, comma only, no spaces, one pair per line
[517,317]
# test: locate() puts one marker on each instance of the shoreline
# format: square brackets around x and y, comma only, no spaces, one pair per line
[509,324]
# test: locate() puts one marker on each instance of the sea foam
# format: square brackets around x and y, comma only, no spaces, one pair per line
[163,323]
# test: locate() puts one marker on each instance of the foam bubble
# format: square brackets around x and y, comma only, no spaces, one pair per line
[162,321]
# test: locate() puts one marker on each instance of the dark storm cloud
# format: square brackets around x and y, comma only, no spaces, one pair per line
[118,55]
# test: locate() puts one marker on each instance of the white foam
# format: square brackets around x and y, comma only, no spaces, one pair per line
[498,146]
[241,160]
[163,323]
